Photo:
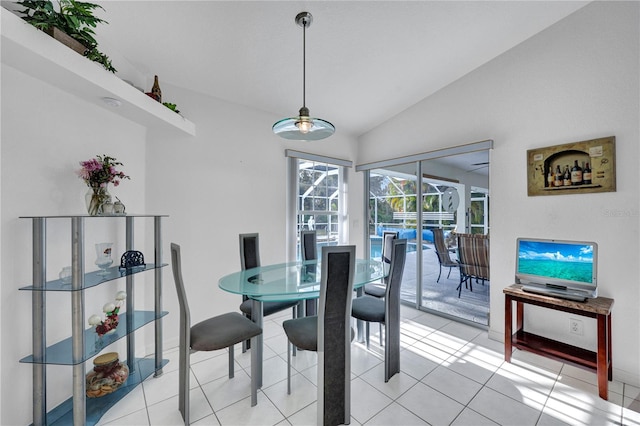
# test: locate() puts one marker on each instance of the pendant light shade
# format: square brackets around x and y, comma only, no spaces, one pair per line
[303,127]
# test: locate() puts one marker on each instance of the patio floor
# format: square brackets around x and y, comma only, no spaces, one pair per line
[442,296]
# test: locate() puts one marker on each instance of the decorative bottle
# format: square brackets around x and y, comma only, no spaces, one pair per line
[586,175]
[155,90]
[576,174]
[558,177]
[566,178]
[550,178]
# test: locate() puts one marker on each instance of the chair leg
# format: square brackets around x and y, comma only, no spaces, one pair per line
[289,345]
[295,315]
[449,274]
[367,333]
[381,343]
[439,273]
[254,376]
[231,362]
[183,386]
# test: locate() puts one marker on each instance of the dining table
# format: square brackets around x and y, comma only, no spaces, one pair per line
[298,280]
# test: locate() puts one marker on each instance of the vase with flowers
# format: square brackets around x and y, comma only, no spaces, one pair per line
[98,173]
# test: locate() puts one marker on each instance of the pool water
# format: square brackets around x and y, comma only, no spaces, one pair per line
[376,247]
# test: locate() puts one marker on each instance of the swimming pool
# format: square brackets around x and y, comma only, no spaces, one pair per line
[376,247]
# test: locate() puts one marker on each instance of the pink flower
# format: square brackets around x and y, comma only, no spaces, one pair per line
[100,171]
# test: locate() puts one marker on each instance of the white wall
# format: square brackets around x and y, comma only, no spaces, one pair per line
[575,81]
[227,180]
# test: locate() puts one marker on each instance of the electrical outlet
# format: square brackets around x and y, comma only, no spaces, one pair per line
[575,326]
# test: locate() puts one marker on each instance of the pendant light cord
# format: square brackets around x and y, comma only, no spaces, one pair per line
[304,64]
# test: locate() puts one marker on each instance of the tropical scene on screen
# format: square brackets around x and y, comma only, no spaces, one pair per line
[556,260]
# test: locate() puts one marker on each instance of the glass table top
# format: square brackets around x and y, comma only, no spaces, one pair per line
[294,280]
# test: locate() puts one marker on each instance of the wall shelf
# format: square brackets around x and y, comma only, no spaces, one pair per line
[35,53]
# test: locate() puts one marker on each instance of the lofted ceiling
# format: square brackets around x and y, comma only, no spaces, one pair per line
[366,60]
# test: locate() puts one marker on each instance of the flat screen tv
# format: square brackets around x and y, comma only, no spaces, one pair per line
[566,269]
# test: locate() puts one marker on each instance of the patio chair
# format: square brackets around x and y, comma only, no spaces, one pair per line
[250,258]
[219,332]
[442,252]
[473,254]
[329,334]
[387,311]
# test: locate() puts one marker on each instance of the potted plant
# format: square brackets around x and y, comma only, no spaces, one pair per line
[73,18]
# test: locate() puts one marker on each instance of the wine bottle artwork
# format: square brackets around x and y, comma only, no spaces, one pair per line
[566,177]
[576,174]
[586,175]
[583,167]
[558,177]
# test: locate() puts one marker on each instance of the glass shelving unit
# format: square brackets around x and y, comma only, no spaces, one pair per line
[84,343]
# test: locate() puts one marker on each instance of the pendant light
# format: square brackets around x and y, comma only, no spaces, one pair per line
[303,127]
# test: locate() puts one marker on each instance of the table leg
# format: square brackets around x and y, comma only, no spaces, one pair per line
[519,316]
[359,323]
[610,348]
[508,322]
[256,316]
[602,357]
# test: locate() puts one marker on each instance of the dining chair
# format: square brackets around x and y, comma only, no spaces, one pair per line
[219,332]
[380,289]
[330,334]
[250,258]
[309,251]
[473,257]
[442,251]
[387,311]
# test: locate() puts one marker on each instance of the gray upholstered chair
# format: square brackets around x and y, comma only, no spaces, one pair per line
[379,289]
[219,332]
[442,252]
[387,311]
[329,334]
[250,258]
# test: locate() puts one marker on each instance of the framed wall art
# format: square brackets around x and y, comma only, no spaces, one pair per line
[573,168]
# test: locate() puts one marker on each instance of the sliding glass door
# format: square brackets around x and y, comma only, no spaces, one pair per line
[414,198]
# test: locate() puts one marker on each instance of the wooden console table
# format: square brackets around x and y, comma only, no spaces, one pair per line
[598,308]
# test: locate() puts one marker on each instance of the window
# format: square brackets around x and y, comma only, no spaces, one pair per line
[318,186]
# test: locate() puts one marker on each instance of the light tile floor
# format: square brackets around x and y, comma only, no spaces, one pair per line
[452,374]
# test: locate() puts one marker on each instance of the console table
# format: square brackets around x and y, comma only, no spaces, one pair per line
[598,308]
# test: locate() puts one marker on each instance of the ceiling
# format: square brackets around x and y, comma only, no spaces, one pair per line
[366,60]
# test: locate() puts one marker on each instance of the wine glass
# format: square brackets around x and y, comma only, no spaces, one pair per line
[103,260]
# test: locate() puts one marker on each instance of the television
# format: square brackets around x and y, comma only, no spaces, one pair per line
[565,269]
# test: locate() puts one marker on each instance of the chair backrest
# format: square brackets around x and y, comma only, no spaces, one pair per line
[185,315]
[308,250]
[249,251]
[441,247]
[334,334]
[387,242]
[473,252]
[392,308]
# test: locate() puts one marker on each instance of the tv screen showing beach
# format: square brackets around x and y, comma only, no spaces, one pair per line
[563,261]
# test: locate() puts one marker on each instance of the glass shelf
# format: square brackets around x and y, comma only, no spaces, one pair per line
[92,279]
[60,353]
[96,407]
